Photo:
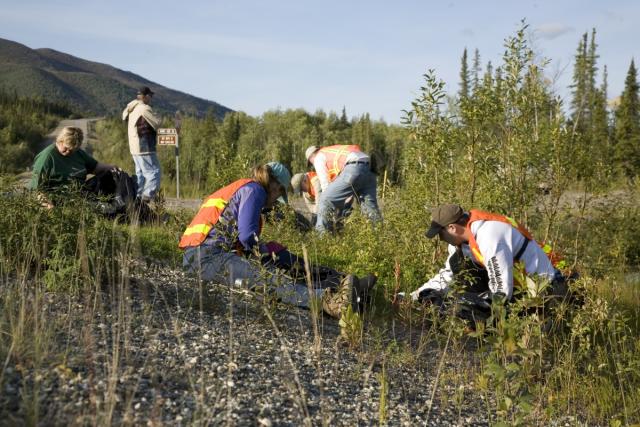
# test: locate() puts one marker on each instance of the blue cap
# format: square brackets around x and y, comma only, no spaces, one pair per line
[282,174]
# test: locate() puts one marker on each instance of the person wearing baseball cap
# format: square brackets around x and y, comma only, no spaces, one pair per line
[488,254]
[142,126]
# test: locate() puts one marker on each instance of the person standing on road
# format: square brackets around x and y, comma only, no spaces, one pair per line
[344,172]
[142,130]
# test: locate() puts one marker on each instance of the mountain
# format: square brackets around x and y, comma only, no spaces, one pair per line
[90,87]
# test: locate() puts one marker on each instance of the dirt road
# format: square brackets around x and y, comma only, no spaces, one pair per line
[83,124]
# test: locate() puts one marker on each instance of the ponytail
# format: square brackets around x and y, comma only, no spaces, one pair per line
[262,175]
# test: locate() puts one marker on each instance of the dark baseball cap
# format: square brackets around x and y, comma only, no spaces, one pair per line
[442,216]
[144,90]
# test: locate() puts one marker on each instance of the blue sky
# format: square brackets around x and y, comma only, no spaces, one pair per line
[368,56]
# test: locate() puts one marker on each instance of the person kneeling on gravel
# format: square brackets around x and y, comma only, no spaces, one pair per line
[221,244]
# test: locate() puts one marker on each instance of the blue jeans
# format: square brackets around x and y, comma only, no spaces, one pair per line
[211,263]
[355,180]
[147,174]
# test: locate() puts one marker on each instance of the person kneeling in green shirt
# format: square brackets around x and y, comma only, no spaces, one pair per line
[64,163]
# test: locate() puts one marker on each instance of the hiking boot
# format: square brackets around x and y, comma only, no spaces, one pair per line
[335,301]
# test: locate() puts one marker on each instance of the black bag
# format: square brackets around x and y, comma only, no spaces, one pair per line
[116,191]
[126,190]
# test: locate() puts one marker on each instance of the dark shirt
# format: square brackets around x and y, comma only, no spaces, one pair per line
[147,135]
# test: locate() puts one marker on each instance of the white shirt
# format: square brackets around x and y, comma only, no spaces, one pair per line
[320,165]
[498,243]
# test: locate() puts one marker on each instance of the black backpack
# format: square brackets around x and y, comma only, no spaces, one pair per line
[125,192]
[116,191]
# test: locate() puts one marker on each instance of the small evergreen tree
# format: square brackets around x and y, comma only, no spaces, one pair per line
[477,68]
[464,77]
[344,121]
[627,126]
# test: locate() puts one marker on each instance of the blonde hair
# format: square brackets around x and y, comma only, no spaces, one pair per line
[262,175]
[70,137]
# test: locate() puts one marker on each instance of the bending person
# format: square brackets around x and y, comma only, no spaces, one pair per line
[308,185]
[344,172]
[222,244]
[489,255]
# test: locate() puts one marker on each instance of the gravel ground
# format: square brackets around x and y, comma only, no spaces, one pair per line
[168,354]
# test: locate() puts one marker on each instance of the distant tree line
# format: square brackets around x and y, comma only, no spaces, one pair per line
[213,152]
[504,134]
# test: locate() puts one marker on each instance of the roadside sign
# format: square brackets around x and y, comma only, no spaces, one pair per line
[167,136]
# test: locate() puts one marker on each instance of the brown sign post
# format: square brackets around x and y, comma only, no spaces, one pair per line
[169,136]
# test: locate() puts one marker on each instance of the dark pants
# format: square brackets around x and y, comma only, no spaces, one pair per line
[293,265]
[474,296]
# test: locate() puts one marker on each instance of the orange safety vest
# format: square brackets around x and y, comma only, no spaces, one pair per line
[336,157]
[478,215]
[312,178]
[209,214]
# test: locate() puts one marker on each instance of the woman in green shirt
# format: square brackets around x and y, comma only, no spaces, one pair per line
[64,163]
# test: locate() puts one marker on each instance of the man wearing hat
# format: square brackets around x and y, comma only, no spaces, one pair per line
[501,252]
[344,173]
[142,130]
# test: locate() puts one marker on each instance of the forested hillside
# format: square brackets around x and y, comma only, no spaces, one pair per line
[91,87]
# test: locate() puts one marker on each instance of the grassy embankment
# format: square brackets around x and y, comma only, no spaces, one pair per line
[586,367]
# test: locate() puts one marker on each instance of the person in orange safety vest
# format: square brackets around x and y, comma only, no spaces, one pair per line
[501,252]
[222,244]
[344,173]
